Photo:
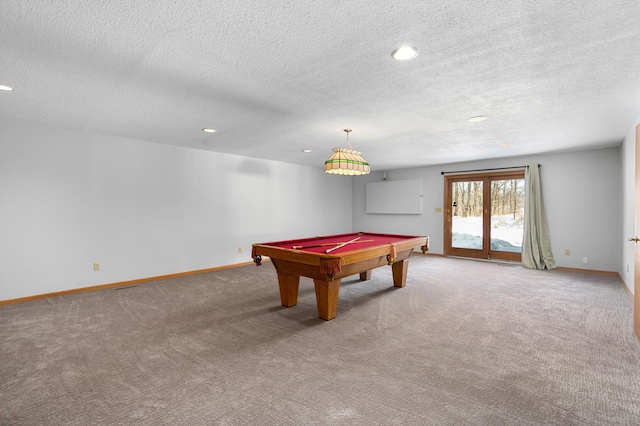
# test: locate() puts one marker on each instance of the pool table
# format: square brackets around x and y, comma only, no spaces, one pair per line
[328,259]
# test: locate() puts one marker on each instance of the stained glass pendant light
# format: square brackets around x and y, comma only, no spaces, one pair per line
[346,161]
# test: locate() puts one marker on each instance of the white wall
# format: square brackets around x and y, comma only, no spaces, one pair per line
[628,162]
[582,195]
[69,199]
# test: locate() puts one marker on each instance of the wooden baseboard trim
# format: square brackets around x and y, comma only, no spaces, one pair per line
[627,289]
[587,271]
[120,284]
[218,268]
[590,271]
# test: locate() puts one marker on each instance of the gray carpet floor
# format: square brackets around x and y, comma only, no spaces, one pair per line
[464,343]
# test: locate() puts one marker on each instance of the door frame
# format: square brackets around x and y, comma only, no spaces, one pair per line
[486,177]
[636,249]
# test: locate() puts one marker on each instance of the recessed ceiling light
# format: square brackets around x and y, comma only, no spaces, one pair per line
[404,53]
[477,118]
[306,150]
[208,130]
[6,88]
[505,144]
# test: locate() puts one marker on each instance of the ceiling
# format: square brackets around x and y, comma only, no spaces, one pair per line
[276,77]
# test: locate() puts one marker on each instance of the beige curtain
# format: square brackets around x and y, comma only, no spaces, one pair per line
[536,247]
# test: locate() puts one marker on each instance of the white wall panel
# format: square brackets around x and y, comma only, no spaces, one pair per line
[69,199]
[394,197]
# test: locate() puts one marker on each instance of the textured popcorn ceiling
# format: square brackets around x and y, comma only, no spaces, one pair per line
[275,77]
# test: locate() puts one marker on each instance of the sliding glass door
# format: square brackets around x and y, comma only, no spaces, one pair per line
[484,215]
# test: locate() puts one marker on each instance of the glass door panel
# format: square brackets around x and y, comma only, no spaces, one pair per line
[507,215]
[466,221]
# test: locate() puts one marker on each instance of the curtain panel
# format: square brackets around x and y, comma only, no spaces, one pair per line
[536,247]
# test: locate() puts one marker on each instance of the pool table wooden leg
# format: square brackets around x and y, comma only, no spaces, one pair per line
[366,275]
[327,298]
[289,285]
[399,270]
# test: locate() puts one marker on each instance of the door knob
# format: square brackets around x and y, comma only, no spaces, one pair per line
[634,239]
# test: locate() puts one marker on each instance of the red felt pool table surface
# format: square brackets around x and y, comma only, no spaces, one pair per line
[366,240]
[327,259]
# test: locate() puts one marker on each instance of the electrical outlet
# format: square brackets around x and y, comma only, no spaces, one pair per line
[567,252]
[585,260]
[627,267]
[239,249]
[96,266]
[438,209]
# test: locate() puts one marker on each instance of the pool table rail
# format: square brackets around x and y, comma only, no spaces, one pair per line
[332,264]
